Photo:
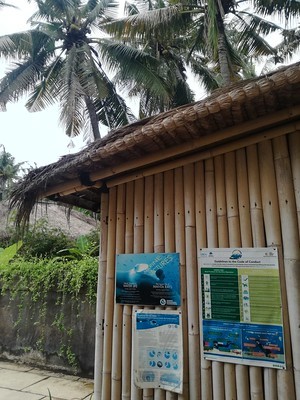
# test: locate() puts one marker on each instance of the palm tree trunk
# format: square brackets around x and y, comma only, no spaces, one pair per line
[222,52]
[93,118]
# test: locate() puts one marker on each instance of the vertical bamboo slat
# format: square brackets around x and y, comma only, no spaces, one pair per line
[180,248]
[169,229]
[138,247]
[127,310]
[257,228]
[256,212]
[201,241]
[208,380]
[148,394]
[291,246]
[223,238]
[100,307]
[294,146]
[243,198]
[109,296]
[272,230]
[118,309]
[159,245]
[220,370]
[241,371]
[149,215]
[192,284]
[237,388]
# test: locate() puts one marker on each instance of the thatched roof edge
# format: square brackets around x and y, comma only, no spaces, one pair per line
[32,187]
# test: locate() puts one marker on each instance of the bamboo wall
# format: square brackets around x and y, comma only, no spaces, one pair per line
[245,197]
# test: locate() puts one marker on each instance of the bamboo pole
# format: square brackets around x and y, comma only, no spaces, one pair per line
[272,231]
[294,145]
[208,372]
[149,215]
[256,212]
[200,214]
[118,310]
[100,306]
[148,394]
[291,252]
[257,229]
[159,245]
[138,247]
[223,241]
[127,310]
[109,296]
[243,198]
[192,282]
[221,209]
[180,248]
[241,371]
[169,230]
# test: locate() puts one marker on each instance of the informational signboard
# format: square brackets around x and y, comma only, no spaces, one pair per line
[148,279]
[241,306]
[157,349]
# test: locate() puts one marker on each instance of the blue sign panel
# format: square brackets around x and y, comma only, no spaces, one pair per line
[148,279]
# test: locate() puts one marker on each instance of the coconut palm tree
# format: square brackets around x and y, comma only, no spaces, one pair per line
[56,61]
[221,36]
[157,74]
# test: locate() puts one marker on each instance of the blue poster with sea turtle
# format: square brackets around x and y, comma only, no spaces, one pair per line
[149,279]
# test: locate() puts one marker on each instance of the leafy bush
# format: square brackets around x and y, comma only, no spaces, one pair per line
[31,283]
[85,245]
[40,276]
[7,254]
[43,241]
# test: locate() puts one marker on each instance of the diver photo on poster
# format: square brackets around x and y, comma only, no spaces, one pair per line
[148,279]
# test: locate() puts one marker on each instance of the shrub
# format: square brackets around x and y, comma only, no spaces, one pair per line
[32,283]
[43,241]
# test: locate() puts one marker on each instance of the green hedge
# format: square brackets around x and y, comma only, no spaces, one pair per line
[30,285]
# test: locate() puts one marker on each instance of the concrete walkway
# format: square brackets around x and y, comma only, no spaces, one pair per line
[21,382]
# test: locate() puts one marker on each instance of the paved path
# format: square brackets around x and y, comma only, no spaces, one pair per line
[21,382]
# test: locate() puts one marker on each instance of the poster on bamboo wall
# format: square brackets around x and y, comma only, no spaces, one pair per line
[149,279]
[157,349]
[241,306]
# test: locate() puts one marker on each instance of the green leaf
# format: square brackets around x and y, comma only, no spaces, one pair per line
[8,253]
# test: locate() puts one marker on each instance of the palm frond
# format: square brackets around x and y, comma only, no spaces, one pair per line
[92,77]
[72,95]
[144,23]
[113,111]
[251,35]
[46,93]
[286,9]
[18,81]
[25,44]
[208,77]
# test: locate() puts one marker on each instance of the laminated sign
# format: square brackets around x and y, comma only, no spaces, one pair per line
[157,349]
[148,279]
[241,306]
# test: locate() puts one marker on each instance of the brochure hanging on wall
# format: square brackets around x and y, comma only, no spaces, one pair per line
[149,279]
[241,306]
[157,349]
